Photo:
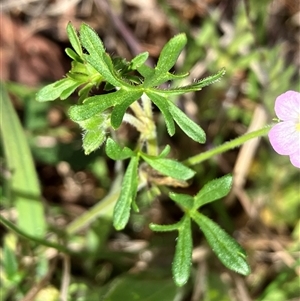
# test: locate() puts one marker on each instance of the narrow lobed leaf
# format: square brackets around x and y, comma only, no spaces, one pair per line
[181,266]
[162,103]
[165,151]
[98,58]
[192,129]
[119,110]
[170,53]
[74,40]
[226,248]
[95,104]
[127,194]
[169,167]
[139,60]
[196,86]
[164,228]
[184,200]
[73,55]
[54,90]
[213,190]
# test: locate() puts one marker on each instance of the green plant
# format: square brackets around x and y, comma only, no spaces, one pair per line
[129,89]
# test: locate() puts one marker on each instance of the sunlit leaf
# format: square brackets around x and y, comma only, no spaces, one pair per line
[213,190]
[226,248]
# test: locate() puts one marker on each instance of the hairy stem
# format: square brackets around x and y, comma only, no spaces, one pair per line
[227,146]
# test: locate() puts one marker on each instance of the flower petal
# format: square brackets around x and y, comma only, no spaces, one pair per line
[287,106]
[295,159]
[284,138]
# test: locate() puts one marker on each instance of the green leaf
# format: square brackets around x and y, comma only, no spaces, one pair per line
[116,152]
[95,123]
[192,129]
[226,248]
[197,86]
[170,53]
[139,60]
[74,40]
[166,61]
[24,186]
[181,266]
[73,55]
[165,151]
[54,90]
[119,110]
[162,103]
[146,71]
[95,104]
[92,140]
[184,200]
[98,58]
[127,194]
[169,167]
[213,190]
[164,228]
[68,91]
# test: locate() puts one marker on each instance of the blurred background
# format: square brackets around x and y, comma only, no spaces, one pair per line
[258,44]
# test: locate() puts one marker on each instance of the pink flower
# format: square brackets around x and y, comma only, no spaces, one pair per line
[285,136]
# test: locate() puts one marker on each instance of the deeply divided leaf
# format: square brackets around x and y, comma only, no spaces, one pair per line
[120,109]
[226,248]
[181,266]
[55,90]
[127,195]
[213,190]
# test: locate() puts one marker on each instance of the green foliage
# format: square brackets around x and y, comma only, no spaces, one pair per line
[226,248]
[125,83]
[127,195]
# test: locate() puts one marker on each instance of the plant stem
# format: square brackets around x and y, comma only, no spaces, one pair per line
[152,147]
[227,146]
[40,241]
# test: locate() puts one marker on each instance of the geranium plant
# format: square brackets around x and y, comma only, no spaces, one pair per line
[130,88]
